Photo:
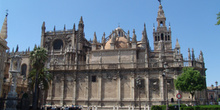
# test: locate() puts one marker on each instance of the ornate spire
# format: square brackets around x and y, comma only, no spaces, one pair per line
[43,27]
[143,39]
[103,38]
[145,31]
[4,33]
[74,28]
[81,20]
[189,55]
[193,55]
[16,49]
[95,38]
[177,44]
[134,36]
[160,13]
[201,58]
[64,27]
[128,37]
[161,17]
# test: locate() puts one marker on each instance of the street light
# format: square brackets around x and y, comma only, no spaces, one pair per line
[166,70]
[138,84]
[217,91]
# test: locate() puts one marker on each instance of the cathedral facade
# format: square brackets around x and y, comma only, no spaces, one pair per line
[119,71]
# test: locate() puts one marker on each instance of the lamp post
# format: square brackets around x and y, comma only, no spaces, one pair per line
[138,84]
[166,70]
[217,91]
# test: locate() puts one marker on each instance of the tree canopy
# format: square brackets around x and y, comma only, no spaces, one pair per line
[190,81]
[44,77]
[218,18]
[38,59]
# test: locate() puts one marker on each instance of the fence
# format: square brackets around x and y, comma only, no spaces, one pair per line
[22,104]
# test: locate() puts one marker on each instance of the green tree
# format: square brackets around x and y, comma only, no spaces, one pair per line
[44,76]
[190,81]
[38,58]
[44,79]
[218,18]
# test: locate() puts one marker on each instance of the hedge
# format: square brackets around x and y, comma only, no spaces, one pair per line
[184,107]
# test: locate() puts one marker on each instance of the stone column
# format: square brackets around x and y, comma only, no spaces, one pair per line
[147,85]
[74,89]
[119,59]
[62,90]
[132,87]
[162,90]
[100,88]
[146,59]
[119,87]
[51,92]
[87,88]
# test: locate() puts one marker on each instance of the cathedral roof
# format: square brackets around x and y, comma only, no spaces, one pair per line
[118,37]
[120,42]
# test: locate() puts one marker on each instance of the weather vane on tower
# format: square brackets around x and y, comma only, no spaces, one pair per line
[159,1]
[7,12]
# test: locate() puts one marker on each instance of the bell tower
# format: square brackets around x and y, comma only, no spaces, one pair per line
[162,33]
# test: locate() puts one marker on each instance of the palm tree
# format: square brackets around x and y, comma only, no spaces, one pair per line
[44,79]
[218,18]
[44,76]
[38,58]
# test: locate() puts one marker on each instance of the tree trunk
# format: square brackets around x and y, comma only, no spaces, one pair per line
[192,94]
[35,99]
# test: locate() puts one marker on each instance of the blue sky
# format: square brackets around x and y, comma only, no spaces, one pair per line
[192,22]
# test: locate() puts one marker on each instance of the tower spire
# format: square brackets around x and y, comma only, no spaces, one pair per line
[177,46]
[95,38]
[4,30]
[162,33]
[134,36]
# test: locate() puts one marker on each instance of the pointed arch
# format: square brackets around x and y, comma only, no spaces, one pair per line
[24,69]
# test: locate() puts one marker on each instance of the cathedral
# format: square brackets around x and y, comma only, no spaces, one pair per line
[118,72]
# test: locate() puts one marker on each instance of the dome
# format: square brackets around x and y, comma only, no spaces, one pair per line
[120,42]
[118,28]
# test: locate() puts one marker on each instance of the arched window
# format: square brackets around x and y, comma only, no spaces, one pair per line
[161,23]
[168,37]
[155,38]
[23,69]
[165,37]
[57,44]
